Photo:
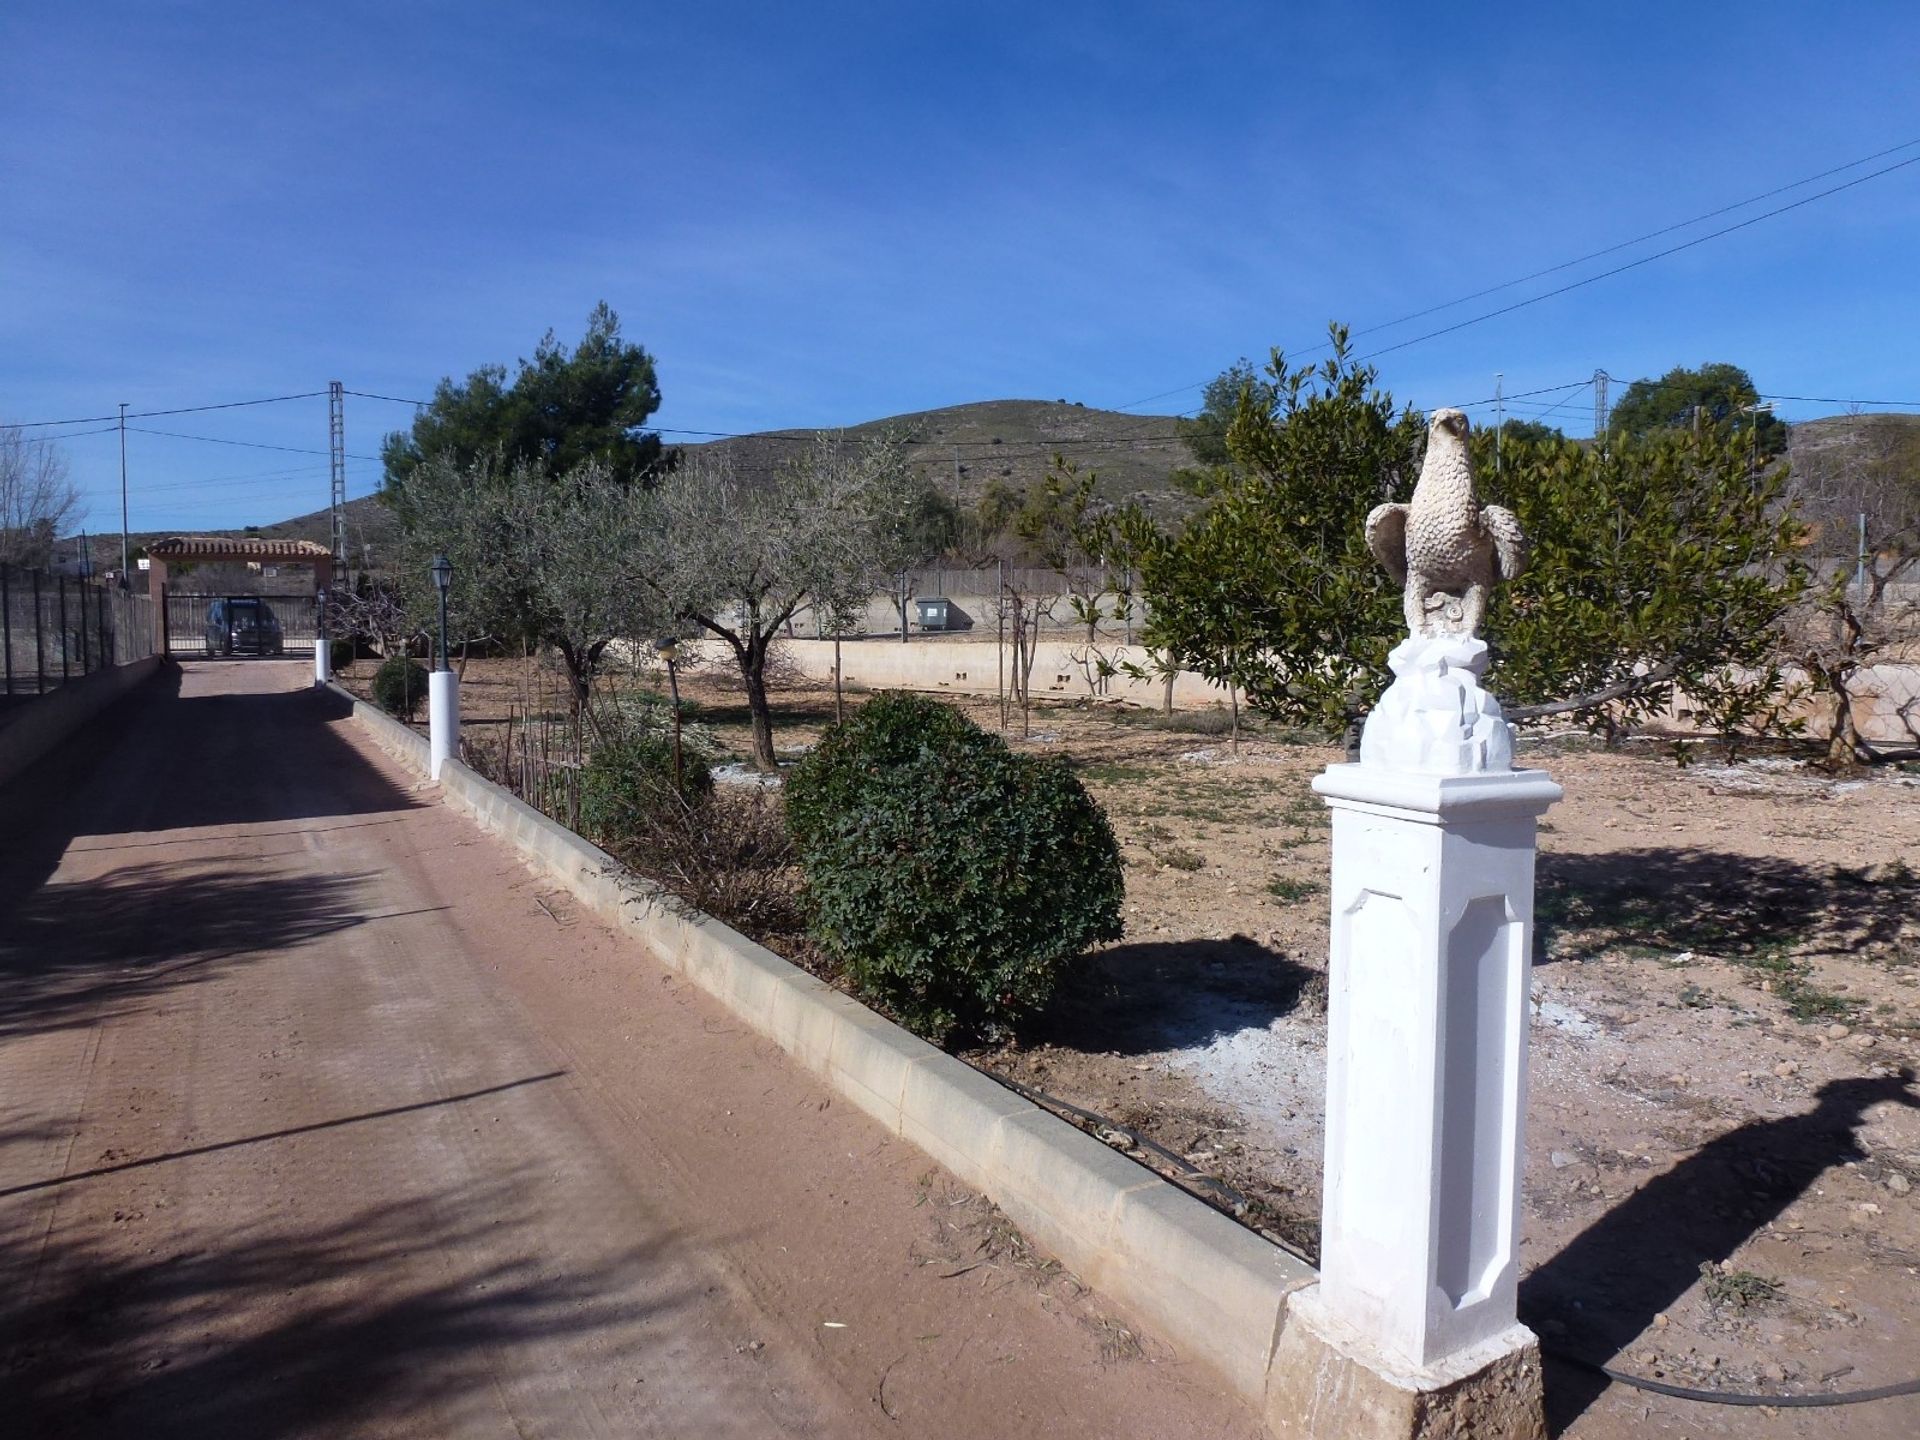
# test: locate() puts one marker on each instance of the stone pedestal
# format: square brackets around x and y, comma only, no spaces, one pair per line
[1432,890]
[1329,1381]
[443,719]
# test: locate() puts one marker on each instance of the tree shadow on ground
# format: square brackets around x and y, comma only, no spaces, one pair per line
[89,951]
[1148,996]
[262,1329]
[157,762]
[1715,903]
[1640,1257]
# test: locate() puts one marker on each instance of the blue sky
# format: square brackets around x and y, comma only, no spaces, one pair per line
[817,215]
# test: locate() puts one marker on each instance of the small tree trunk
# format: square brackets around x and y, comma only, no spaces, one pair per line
[1166,694]
[753,669]
[579,691]
[1845,749]
[839,699]
[1233,704]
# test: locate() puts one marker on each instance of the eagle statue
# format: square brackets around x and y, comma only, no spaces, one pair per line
[1443,546]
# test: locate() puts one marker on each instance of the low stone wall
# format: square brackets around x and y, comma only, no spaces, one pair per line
[38,725]
[1213,1289]
[1886,697]
[973,667]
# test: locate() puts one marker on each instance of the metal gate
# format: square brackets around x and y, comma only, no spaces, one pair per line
[239,626]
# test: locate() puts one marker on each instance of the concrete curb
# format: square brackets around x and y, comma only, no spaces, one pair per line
[50,718]
[1210,1287]
[401,741]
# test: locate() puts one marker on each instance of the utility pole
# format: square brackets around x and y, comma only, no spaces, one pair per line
[1499,414]
[126,563]
[337,465]
[1600,379]
[1753,436]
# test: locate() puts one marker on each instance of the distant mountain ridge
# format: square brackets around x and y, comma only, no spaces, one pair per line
[963,448]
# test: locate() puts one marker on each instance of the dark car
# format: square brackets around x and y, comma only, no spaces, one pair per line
[244,626]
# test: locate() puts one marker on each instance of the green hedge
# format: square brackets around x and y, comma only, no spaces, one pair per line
[954,879]
[629,777]
[399,686]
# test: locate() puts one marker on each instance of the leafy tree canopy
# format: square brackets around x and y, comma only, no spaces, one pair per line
[1661,562]
[1723,394]
[562,410]
[1531,432]
[1205,433]
[1271,586]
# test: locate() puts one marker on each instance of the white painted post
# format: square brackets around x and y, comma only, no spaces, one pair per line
[322,660]
[1432,896]
[443,718]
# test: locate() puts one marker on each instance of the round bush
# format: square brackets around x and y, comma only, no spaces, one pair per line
[954,879]
[340,654]
[629,778]
[399,685]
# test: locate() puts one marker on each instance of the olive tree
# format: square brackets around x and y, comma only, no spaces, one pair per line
[746,552]
[1857,483]
[569,561]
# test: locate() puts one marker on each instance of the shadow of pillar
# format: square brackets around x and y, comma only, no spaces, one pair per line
[1645,1253]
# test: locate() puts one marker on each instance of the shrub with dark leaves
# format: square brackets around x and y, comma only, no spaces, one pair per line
[627,784]
[399,685]
[952,878]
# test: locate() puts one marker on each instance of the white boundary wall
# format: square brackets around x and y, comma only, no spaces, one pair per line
[973,667]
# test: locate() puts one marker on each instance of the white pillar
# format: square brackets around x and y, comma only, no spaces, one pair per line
[443,718]
[322,661]
[1432,927]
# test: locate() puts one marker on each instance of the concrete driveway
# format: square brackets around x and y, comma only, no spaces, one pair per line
[319,1115]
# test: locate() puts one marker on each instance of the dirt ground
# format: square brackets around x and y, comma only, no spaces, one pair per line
[1723,1135]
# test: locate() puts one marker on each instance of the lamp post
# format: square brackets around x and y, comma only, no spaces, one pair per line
[443,691]
[668,649]
[442,581]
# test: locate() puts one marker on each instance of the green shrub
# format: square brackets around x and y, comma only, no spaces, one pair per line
[399,685]
[627,783]
[954,879]
[340,655]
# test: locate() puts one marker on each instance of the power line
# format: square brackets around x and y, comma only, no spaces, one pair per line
[153,414]
[1640,239]
[249,444]
[396,399]
[74,434]
[1643,260]
[221,482]
[1836,400]
[1594,255]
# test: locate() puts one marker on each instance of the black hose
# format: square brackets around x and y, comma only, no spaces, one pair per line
[1189,1173]
[1735,1397]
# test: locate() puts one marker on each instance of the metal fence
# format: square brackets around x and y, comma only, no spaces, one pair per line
[60,627]
[220,623]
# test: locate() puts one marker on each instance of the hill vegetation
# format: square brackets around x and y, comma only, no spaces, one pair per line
[964,448]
